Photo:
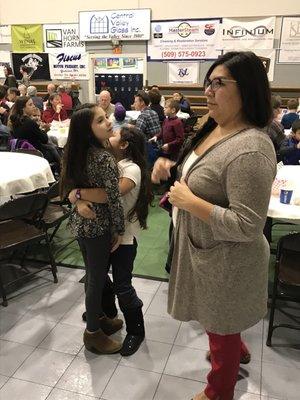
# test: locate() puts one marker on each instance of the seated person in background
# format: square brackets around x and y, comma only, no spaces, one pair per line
[10,79]
[37,101]
[162,99]
[55,110]
[4,108]
[275,130]
[51,89]
[22,89]
[104,102]
[12,94]
[291,115]
[66,99]
[183,102]
[172,132]
[290,147]
[155,98]
[147,122]
[118,118]
[24,127]
[25,72]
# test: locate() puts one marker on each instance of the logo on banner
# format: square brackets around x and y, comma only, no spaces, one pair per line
[295,30]
[183,72]
[32,61]
[209,29]
[54,38]
[239,31]
[184,29]
[99,24]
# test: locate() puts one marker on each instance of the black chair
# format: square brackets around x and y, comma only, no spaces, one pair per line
[4,139]
[32,152]
[286,284]
[20,227]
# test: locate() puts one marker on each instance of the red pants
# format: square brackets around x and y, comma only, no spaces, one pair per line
[225,354]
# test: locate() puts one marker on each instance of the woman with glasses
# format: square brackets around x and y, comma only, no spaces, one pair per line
[220,196]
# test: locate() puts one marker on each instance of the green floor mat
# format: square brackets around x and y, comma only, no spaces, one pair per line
[152,246]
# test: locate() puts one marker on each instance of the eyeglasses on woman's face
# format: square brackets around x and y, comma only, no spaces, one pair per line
[216,83]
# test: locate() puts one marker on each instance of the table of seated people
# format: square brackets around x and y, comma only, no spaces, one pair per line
[287,176]
[22,173]
[59,130]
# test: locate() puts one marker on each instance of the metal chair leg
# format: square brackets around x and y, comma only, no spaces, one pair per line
[52,260]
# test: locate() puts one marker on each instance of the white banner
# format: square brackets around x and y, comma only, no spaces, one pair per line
[69,66]
[5,34]
[289,46]
[114,25]
[62,37]
[244,35]
[268,59]
[183,40]
[186,73]
[4,60]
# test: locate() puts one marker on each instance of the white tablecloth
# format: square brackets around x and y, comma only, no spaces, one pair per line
[60,130]
[22,173]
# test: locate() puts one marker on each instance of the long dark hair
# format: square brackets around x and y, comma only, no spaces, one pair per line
[136,152]
[252,80]
[80,139]
[17,117]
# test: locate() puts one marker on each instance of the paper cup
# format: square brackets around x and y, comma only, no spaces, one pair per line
[285,196]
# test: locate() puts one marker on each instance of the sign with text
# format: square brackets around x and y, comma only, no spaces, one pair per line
[238,34]
[5,34]
[27,38]
[289,46]
[4,61]
[69,66]
[186,73]
[183,40]
[63,37]
[38,62]
[114,25]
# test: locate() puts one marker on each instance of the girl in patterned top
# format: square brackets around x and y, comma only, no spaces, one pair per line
[87,164]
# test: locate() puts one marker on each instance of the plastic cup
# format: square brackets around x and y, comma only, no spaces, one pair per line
[285,196]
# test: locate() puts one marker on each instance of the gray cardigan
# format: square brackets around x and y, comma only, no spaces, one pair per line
[219,270]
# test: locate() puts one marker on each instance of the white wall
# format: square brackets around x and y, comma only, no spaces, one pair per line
[58,11]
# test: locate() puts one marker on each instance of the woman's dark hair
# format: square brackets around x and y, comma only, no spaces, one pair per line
[3,92]
[51,97]
[80,139]
[136,152]
[9,70]
[252,80]
[154,96]
[16,116]
[26,69]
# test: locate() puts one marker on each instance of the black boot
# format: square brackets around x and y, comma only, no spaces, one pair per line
[135,331]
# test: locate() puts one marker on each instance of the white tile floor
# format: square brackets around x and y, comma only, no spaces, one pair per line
[42,357]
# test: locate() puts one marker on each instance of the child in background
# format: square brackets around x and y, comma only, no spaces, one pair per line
[87,164]
[290,147]
[291,115]
[172,132]
[128,146]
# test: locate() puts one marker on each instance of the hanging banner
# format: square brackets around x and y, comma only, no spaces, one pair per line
[289,45]
[38,62]
[186,73]
[183,40]
[244,35]
[4,62]
[69,66]
[27,38]
[114,25]
[62,37]
[5,35]
[268,59]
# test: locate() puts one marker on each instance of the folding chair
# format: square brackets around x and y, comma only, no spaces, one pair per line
[286,284]
[20,226]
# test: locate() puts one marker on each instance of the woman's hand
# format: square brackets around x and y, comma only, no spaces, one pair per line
[161,169]
[72,196]
[115,243]
[85,209]
[180,195]
[59,106]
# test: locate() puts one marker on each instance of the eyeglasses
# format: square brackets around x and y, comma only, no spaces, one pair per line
[216,83]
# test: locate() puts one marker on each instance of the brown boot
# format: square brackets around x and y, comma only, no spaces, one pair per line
[244,359]
[110,326]
[98,342]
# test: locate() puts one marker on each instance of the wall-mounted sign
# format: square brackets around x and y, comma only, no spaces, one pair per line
[69,66]
[184,40]
[38,62]
[63,37]
[289,46]
[4,61]
[185,73]
[5,34]
[27,38]
[238,34]
[114,25]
